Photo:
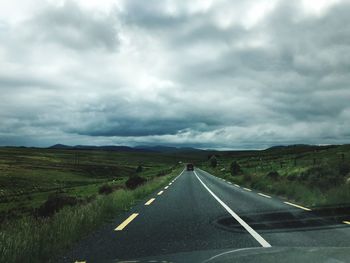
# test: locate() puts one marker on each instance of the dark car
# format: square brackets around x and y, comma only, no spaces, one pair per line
[189,167]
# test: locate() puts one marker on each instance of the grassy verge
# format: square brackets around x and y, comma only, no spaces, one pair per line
[306,194]
[33,240]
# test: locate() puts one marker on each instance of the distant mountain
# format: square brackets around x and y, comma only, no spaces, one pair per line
[101,148]
[167,149]
[59,146]
[140,148]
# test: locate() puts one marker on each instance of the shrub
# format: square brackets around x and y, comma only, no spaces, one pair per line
[273,175]
[323,177]
[344,169]
[247,178]
[292,177]
[235,168]
[213,161]
[139,169]
[105,189]
[54,203]
[134,181]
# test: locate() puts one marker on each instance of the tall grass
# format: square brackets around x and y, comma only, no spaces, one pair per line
[302,192]
[38,240]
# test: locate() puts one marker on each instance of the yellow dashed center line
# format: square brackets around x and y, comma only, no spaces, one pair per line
[298,206]
[160,192]
[346,222]
[247,189]
[126,222]
[236,185]
[150,201]
[267,196]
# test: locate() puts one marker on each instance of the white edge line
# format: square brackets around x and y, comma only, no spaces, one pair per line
[264,195]
[251,231]
[298,206]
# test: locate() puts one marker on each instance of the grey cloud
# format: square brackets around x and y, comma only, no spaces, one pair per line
[284,80]
[74,28]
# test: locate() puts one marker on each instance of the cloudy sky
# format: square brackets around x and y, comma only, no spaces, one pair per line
[210,74]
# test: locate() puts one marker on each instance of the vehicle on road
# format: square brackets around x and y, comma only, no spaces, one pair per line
[190,167]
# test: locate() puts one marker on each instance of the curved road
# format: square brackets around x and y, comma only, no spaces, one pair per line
[200,212]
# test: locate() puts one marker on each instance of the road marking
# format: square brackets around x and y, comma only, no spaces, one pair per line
[346,222]
[126,222]
[229,182]
[170,184]
[298,206]
[267,196]
[79,261]
[236,185]
[247,189]
[160,192]
[166,187]
[251,231]
[150,201]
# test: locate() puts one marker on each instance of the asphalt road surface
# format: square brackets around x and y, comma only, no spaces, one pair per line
[200,212]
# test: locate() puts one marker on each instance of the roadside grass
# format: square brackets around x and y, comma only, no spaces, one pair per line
[313,178]
[29,175]
[40,240]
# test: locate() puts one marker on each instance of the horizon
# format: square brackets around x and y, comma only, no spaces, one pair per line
[173,146]
[205,74]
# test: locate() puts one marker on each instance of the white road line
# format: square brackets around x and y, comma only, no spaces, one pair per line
[166,187]
[247,189]
[251,231]
[160,192]
[298,206]
[267,196]
[236,185]
[229,182]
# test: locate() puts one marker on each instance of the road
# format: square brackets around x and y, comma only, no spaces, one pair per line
[200,212]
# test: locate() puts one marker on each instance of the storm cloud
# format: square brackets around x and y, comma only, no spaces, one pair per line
[211,74]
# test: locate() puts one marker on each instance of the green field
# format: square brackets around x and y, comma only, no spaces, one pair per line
[29,175]
[312,175]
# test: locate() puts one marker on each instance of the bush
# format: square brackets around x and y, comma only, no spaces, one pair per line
[292,177]
[344,169]
[134,181]
[54,203]
[247,178]
[323,177]
[213,161]
[139,169]
[235,168]
[105,189]
[273,175]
